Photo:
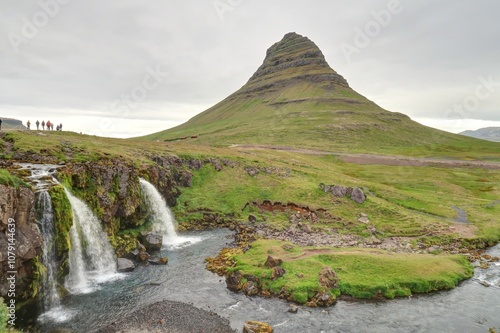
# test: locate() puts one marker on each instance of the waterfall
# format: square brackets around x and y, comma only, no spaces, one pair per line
[91,258]
[45,216]
[163,218]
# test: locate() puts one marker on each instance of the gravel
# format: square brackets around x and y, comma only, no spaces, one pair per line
[170,317]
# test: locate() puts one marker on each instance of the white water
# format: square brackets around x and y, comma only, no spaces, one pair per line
[164,218]
[51,301]
[91,258]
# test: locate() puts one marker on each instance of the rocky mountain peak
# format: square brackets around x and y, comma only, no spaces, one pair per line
[295,56]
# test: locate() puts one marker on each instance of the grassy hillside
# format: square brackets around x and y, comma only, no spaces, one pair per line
[296,99]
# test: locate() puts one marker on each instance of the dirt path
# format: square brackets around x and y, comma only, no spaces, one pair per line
[379,159]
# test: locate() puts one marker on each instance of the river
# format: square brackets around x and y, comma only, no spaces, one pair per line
[471,307]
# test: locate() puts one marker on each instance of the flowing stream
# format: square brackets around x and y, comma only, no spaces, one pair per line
[470,307]
[91,257]
[100,298]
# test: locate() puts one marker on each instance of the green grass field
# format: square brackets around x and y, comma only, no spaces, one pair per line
[362,273]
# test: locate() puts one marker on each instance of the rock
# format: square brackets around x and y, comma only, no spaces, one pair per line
[277,272]
[256,327]
[125,265]
[260,234]
[327,278]
[327,188]
[272,262]
[358,195]
[252,218]
[250,289]
[251,171]
[153,242]
[339,191]
[141,248]
[142,256]
[233,281]
[486,256]
[307,229]
[158,261]
[132,255]
[485,283]
[434,248]
[324,299]
[363,215]
[364,220]
[293,308]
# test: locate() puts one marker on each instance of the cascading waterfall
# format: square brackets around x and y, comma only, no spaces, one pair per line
[91,258]
[163,218]
[46,223]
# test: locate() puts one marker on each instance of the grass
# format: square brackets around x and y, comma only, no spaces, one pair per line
[404,201]
[9,180]
[362,273]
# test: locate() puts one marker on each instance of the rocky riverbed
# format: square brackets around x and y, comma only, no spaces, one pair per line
[170,317]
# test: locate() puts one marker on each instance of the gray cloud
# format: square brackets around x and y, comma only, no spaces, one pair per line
[427,59]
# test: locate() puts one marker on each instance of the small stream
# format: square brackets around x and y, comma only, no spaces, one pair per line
[470,307]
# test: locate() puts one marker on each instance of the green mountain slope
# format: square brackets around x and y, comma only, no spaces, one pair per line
[296,99]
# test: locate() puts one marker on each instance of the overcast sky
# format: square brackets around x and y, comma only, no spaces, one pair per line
[124,68]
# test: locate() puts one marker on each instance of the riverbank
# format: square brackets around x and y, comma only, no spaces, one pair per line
[170,317]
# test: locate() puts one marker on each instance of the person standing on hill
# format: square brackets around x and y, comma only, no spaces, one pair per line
[37,125]
[43,125]
[0,124]
[28,124]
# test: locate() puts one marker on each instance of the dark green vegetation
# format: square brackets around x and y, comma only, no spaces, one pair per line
[361,273]
[296,99]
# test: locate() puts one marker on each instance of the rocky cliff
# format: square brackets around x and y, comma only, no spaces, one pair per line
[17,205]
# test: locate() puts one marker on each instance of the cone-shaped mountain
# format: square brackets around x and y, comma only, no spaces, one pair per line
[296,99]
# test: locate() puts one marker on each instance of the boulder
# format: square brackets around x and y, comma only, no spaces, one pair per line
[339,191]
[132,255]
[125,265]
[253,326]
[293,308]
[358,195]
[252,218]
[277,272]
[272,262]
[142,256]
[327,278]
[153,242]
[364,220]
[250,289]
[233,281]
[158,261]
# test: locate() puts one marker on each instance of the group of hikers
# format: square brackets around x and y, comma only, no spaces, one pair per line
[48,124]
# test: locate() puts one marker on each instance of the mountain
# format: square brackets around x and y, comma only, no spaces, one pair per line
[487,133]
[9,123]
[296,99]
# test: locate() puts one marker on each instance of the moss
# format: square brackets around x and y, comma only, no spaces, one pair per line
[7,179]
[63,221]
[39,274]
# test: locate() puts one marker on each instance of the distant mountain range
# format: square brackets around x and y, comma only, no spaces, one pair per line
[10,123]
[487,133]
